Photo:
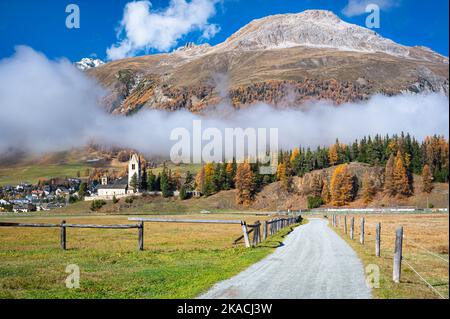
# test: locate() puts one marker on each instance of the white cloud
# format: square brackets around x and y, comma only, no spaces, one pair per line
[143,28]
[358,7]
[51,106]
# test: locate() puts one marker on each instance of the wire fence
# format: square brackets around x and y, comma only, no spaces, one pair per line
[430,267]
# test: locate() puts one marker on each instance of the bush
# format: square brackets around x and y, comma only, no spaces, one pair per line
[183,193]
[97,204]
[314,202]
[115,200]
[129,200]
[73,199]
[82,190]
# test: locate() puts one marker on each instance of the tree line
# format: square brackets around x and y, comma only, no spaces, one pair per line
[433,151]
[401,155]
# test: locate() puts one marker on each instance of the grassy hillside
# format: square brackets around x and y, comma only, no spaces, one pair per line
[32,173]
[30,169]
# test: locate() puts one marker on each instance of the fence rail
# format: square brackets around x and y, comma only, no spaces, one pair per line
[63,229]
[191,221]
[269,227]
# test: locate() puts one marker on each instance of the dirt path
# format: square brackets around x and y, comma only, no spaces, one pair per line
[314,262]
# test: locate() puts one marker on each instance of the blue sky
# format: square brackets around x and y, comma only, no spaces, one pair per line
[41,24]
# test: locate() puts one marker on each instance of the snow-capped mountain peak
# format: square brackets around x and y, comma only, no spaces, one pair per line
[88,63]
[315,29]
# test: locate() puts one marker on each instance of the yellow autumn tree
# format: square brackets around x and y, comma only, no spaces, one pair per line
[208,183]
[427,179]
[325,194]
[244,182]
[200,180]
[400,177]
[176,179]
[368,188]
[294,155]
[333,154]
[283,175]
[341,186]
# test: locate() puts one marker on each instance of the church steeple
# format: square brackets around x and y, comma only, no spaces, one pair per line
[134,167]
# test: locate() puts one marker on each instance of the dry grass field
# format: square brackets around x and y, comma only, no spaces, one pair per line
[179,260]
[425,249]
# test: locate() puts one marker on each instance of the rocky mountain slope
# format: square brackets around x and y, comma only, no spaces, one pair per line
[281,60]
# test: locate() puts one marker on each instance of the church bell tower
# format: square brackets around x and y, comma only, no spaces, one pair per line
[134,167]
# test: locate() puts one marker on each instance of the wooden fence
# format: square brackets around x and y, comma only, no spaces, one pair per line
[398,241]
[269,227]
[63,229]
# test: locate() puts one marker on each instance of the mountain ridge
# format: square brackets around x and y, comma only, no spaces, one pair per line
[309,55]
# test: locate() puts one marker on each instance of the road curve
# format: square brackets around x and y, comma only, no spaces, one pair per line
[313,263]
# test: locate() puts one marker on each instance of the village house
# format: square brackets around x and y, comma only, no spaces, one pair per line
[24,208]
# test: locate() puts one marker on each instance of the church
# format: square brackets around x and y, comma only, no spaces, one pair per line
[123,186]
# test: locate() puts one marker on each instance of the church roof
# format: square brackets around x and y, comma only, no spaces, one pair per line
[118,183]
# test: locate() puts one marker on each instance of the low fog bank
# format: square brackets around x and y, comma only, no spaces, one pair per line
[51,106]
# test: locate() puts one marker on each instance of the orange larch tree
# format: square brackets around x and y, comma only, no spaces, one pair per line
[244,182]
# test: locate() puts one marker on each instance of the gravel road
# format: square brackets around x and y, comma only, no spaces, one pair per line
[314,262]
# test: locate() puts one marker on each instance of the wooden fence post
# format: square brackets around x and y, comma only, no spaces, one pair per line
[339,221]
[378,240]
[361,237]
[245,231]
[63,235]
[258,232]
[272,226]
[265,230]
[141,236]
[397,269]
[352,227]
[345,224]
